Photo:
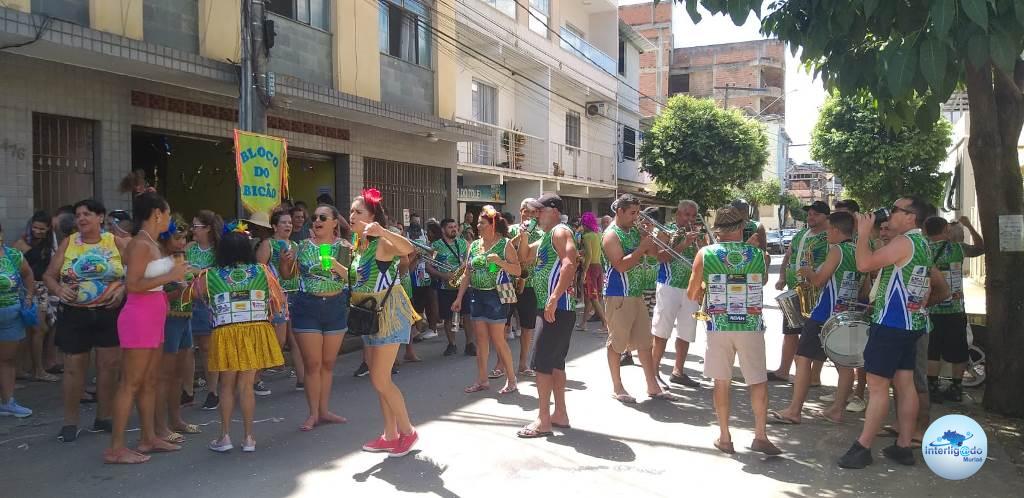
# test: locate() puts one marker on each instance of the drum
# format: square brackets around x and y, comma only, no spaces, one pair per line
[844,337]
[789,303]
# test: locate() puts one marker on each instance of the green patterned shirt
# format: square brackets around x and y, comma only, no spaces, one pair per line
[534,235]
[453,254]
[10,276]
[951,263]
[276,248]
[484,275]
[734,279]
[365,272]
[900,301]
[545,274]
[676,273]
[313,278]
[636,280]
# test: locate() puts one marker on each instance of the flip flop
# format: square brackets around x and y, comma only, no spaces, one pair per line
[776,418]
[664,395]
[727,448]
[475,388]
[915,444]
[624,399]
[337,420]
[772,377]
[46,377]
[157,449]
[188,429]
[123,456]
[508,390]
[495,374]
[820,415]
[528,373]
[561,426]
[174,438]
[528,433]
[308,427]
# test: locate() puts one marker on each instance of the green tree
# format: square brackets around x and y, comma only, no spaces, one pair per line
[874,163]
[760,193]
[794,207]
[698,151]
[910,55]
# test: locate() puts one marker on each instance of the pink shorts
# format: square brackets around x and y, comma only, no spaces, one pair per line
[141,322]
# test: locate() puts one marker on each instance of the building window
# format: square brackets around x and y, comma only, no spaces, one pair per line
[539,16]
[572,128]
[311,12]
[420,189]
[622,57]
[405,31]
[678,83]
[507,7]
[63,160]
[485,103]
[628,143]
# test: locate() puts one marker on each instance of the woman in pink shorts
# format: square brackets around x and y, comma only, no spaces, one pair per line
[140,329]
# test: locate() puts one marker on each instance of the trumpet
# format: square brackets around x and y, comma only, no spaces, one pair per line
[702,314]
[428,254]
[650,226]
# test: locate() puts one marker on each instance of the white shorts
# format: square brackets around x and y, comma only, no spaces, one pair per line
[674,312]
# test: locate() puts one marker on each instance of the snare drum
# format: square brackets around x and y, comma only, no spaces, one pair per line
[789,303]
[844,337]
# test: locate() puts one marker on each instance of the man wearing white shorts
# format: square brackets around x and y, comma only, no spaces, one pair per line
[673,311]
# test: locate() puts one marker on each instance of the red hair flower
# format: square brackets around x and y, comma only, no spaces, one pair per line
[372,195]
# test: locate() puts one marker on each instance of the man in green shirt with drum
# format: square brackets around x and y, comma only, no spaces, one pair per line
[728,277]
[948,338]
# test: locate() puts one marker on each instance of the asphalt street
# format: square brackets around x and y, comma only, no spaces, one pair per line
[468,445]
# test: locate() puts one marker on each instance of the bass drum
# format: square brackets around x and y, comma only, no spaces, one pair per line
[844,337]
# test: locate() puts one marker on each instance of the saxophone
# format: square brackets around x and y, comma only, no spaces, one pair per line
[456,279]
[807,293]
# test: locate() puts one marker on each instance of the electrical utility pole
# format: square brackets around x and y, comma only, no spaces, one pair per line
[256,84]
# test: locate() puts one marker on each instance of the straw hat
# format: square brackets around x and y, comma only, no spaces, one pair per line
[728,218]
[259,219]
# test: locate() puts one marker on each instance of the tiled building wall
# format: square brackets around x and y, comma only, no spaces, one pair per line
[105,98]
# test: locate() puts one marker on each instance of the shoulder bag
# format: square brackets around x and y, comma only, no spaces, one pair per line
[364,316]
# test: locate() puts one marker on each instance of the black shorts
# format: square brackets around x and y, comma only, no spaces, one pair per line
[889,350]
[948,339]
[553,343]
[79,330]
[445,299]
[421,298]
[526,309]
[810,341]
[792,330]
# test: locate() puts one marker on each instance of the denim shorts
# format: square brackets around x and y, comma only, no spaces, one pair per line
[326,315]
[11,327]
[177,334]
[486,307]
[202,318]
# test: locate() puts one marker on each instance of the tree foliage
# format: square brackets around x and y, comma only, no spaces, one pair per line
[910,55]
[876,164]
[698,151]
[760,192]
[793,206]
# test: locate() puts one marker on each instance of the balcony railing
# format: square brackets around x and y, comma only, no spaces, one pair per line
[584,50]
[505,149]
[573,162]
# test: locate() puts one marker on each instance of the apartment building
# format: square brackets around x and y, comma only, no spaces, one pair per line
[633,46]
[748,75]
[653,22]
[361,89]
[810,181]
[540,77]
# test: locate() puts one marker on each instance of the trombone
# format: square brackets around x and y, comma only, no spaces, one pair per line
[427,254]
[650,226]
[702,314]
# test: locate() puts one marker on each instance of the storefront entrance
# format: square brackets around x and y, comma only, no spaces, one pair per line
[192,172]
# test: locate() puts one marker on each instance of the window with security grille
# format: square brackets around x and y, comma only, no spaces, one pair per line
[63,160]
[424,190]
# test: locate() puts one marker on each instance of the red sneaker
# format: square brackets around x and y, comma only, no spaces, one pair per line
[381,445]
[405,444]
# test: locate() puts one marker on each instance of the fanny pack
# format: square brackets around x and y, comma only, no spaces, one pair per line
[364,316]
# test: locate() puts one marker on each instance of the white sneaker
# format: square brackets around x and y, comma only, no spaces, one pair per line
[828,398]
[222,445]
[856,405]
[429,334]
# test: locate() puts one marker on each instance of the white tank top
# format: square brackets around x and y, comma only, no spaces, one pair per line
[159,267]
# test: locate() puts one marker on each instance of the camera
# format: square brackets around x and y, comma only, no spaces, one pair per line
[881,215]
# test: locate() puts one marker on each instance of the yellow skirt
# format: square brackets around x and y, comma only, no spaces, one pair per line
[244,346]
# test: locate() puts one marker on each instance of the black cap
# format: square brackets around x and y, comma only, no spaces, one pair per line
[551,201]
[819,206]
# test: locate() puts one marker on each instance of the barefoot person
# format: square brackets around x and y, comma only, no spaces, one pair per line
[629,324]
[373,276]
[244,296]
[898,319]
[140,329]
[728,277]
[320,317]
[491,260]
[86,275]
[552,278]
[673,311]
[841,284]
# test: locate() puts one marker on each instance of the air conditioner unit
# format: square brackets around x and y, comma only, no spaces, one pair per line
[597,109]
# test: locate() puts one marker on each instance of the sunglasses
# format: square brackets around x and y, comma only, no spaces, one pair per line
[199,227]
[322,217]
[896,209]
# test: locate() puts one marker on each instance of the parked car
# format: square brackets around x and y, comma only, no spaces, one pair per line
[775,243]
